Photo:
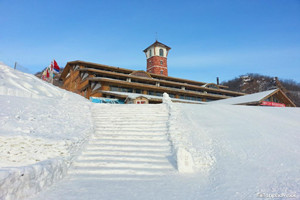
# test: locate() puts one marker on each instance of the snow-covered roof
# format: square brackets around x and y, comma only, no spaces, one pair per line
[250,98]
[149,97]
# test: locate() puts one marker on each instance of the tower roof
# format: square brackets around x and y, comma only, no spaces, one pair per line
[157,43]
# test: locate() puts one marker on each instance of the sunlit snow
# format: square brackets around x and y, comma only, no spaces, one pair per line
[130,151]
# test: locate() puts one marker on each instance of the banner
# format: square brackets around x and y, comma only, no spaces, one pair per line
[269,103]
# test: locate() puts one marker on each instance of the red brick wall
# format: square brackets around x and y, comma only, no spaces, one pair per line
[154,65]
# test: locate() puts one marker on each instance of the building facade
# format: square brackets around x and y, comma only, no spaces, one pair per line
[98,80]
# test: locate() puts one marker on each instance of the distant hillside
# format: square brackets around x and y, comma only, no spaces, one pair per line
[56,81]
[252,83]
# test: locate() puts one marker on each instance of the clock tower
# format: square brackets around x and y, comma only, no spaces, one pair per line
[156,55]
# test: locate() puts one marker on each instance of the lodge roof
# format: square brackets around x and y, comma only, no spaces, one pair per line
[253,99]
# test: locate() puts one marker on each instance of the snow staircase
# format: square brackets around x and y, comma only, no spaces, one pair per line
[130,142]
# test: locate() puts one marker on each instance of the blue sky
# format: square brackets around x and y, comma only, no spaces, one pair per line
[224,38]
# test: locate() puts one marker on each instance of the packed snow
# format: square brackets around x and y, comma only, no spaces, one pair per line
[166,151]
[239,152]
[38,122]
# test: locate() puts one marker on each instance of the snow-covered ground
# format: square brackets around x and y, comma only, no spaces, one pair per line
[239,152]
[38,122]
[247,151]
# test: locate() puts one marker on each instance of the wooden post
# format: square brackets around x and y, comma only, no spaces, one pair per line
[15,65]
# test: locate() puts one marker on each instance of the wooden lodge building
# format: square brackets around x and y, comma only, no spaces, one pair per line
[130,86]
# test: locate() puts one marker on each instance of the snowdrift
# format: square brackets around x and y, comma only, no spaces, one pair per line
[245,152]
[41,129]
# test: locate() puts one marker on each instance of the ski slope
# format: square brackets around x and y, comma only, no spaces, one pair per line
[63,147]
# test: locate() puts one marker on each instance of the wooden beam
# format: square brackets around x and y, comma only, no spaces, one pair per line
[170,83]
[155,88]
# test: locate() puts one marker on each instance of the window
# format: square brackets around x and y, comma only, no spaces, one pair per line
[155,93]
[188,98]
[140,102]
[151,92]
[159,94]
[161,71]
[161,52]
[161,62]
[113,88]
[138,91]
[150,52]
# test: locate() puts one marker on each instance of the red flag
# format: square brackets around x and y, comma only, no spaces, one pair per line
[48,74]
[56,67]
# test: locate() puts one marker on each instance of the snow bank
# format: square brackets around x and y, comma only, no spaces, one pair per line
[246,152]
[42,128]
[16,83]
[17,183]
[185,134]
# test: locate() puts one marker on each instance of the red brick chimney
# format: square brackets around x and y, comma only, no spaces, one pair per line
[156,55]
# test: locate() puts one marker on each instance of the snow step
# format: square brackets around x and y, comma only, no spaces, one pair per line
[128,148]
[132,165]
[130,122]
[126,153]
[129,118]
[122,155]
[119,171]
[131,115]
[129,132]
[130,142]
[119,158]
[109,112]
[113,125]
[130,145]
[132,128]
[117,177]
[129,137]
